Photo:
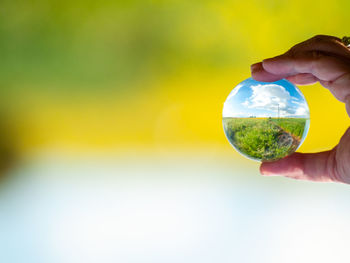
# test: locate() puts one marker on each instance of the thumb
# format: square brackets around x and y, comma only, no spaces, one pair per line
[317,167]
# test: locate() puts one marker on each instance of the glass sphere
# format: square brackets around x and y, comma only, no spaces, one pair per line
[266,121]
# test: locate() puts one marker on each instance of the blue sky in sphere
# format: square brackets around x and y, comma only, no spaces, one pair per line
[266,99]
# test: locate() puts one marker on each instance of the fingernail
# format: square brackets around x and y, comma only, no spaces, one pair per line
[267,60]
[255,66]
[266,172]
[263,171]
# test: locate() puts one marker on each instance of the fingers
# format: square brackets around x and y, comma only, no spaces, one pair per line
[327,60]
[303,79]
[260,74]
[339,87]
[311,166]
[332,72]
[329,166]
[322,58]
[327,44]
[323,67]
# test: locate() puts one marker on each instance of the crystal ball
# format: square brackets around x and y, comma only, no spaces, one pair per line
[266,121]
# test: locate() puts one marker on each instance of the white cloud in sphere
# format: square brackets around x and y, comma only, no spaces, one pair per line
[270,97]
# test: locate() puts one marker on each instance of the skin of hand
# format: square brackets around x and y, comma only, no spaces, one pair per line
[327,60]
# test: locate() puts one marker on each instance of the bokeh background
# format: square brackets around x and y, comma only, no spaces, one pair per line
[112,147]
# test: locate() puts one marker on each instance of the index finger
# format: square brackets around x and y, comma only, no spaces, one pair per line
[328,44]
[323,67]
[319,44]
[331,71]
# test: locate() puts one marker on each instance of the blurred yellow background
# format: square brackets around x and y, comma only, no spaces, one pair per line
[118,75]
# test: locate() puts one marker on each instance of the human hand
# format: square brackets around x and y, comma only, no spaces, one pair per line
[327,60]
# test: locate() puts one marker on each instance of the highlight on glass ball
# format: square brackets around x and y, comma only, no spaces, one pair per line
[266,121]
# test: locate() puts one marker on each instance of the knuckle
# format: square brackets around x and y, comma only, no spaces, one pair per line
[316,55]
[332,167]
[292,52]
[310,56]
[318,38]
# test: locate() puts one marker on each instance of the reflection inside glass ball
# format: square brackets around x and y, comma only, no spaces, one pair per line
[266,121]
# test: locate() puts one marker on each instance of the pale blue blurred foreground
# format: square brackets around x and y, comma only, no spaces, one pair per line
[169,209]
